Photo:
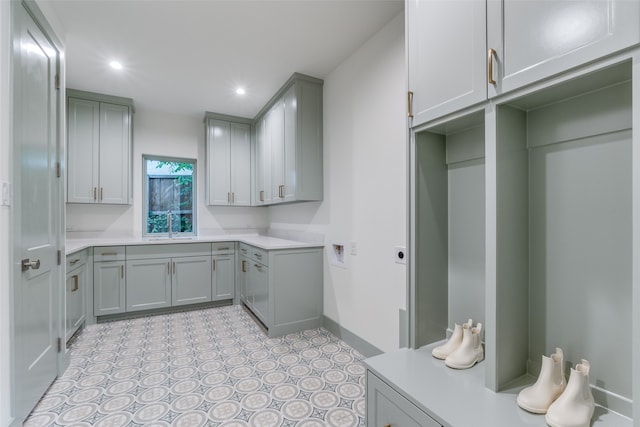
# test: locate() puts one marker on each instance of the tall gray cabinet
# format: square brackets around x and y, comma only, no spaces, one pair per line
[524,209]
[99,148]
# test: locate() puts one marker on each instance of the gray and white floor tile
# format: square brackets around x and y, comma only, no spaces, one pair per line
[212,367]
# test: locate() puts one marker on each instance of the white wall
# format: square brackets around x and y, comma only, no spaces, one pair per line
[5,229]
[365,188]
[173,135]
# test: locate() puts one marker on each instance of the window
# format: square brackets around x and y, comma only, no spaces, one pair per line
[169,190]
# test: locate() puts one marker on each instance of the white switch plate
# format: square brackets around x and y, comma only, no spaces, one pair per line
[354,248]
[400,254]
[5,197]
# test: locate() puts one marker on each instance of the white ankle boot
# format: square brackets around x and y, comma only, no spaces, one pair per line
[549,385]
[441,352]
[470,350]
[574,407]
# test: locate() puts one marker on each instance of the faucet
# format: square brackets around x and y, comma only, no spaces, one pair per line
[169,224]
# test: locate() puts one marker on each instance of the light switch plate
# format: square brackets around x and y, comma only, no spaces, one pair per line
[5,197]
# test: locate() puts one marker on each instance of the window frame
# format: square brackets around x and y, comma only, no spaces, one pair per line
[145,196]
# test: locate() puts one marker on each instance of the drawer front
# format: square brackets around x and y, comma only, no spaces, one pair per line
[259,255]
[108,253]
[168,250]
[76,260]
[387,407]
[223,248]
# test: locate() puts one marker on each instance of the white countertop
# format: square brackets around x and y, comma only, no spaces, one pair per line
[263,242]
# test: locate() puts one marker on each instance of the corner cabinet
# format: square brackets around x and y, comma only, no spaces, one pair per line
[228,154]
[496,47]
[99,135]
[288,144]
[109,280]
[282,287]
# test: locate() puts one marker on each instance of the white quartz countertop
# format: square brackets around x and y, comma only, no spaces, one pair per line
[260,241]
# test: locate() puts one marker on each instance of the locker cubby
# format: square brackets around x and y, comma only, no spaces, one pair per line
[448,253]
[560,234]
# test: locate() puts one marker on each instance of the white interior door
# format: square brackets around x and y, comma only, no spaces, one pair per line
[36,214]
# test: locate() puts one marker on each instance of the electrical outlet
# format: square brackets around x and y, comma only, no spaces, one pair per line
[400,254]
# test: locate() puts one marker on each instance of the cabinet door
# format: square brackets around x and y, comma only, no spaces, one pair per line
[387,407]
[240,164]
[83,136]
[290,164]
[243,280]
[219,163]
[535,40]
[262,161]
[447,56]
[75,307]
[191,281]
[115,133]
[259,289]
[148,284]
[223,283]
[108,287]
[276,130]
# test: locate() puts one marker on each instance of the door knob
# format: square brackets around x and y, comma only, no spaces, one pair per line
[29,264]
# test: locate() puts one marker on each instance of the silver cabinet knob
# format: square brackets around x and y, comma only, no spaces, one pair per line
[30,264]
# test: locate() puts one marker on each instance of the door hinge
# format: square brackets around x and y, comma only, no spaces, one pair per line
[57,81]
[58,170]
[59,257]
[59,344]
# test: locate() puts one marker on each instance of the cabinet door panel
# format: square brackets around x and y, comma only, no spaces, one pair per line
[148,284]
[218,162]
[75,308]
[114,154]
[259,288]
[108,287]
[276,129]
[223,277]
[240,164]
[83,136]
[263,160]
[386,406]
[537,39]
[290,164]
[191,281]
[447,56]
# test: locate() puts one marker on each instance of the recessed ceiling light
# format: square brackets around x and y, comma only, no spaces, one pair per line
[115,65]
[240,91]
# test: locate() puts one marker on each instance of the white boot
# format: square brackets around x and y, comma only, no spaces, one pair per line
[470,351]
[574,407]
[442,351]
[550,384]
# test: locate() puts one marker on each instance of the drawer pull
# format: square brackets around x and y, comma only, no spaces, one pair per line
[222,249]
[259,256]
[109,254]
[74,261]
[214,265]
[244,266]
[75,283]
[490,54]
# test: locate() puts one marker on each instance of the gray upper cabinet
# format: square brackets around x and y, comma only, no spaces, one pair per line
[498,46]
[228,160]
[289,144]
[446,63]
[99,135]
[534,40]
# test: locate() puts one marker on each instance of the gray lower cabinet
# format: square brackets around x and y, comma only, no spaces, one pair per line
[191,281]
[148,283]
[282,287]
[75,291]
[109,280]
[387,407]
[223,269]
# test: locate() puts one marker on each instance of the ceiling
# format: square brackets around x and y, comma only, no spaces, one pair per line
[189,56]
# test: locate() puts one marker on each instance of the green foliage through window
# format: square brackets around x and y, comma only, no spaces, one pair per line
[170,194]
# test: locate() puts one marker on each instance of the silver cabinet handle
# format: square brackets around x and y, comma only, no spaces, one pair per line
[75,283]
[74,261]
[30,264]
[174,268]
[109,254]
[101,193]
[95,193]
[214,265]
[262,195]
[490,54]
[259,256]
[222,249]
[244,266]
[169,268]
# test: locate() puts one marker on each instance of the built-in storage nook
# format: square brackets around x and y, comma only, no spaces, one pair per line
[449,248]
[525,217]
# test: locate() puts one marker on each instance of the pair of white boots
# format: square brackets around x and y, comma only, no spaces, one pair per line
[463,349]
[565,404]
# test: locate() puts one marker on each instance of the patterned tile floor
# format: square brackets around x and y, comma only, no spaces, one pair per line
[212,367]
